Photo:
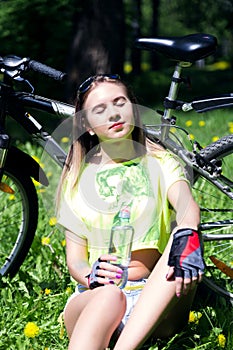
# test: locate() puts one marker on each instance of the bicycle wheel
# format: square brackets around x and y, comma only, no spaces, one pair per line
[216,218]
[18,219]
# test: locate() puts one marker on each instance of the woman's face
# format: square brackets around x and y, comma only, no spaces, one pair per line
[109,112]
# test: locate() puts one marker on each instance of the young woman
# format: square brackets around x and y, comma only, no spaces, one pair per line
[112,165]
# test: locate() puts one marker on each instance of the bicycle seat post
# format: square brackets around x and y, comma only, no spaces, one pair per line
[172,95]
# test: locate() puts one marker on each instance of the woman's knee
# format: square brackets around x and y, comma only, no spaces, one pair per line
[112,296]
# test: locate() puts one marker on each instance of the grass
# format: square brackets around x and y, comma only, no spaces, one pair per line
[32,302]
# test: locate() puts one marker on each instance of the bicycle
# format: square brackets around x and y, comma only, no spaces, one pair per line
[212,163]
[207,164]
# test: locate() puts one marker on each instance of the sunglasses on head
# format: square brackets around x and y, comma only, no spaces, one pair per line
[85,86]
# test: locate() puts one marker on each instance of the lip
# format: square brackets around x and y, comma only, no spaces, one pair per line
[116,125]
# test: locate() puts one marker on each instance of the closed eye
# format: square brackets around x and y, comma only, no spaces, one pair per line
[120,101]
[99,109]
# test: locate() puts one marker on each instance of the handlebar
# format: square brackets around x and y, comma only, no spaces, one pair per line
[13,66]
[44,69]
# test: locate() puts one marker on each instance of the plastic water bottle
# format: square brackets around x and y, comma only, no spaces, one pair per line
[121,242]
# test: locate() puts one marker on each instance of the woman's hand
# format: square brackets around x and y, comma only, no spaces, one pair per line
[103,272]
[186,260]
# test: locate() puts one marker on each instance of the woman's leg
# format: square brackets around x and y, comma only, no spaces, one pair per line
[91,317]
[157,305]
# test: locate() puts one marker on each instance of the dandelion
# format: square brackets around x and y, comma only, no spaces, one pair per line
[215,138]
[173,130]
[37,159]
[68,290]
[194,317]
[47,291]
[201,123]
[31,330]
[45,240]
[145,66]
[12,197]
[221,340]
[65,139]
[128,67]
[52,221]
[188,123]
[63,243]
[191,136]
[36,183]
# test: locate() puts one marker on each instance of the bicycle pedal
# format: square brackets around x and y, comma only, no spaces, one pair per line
[5,188]
[227,270]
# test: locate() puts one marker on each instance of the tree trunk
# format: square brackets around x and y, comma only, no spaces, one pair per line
[136,26]
[98,45]
[154,32]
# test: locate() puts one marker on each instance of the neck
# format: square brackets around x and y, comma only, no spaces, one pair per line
[117,152]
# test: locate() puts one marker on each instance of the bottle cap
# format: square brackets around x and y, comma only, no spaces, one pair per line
[125,213]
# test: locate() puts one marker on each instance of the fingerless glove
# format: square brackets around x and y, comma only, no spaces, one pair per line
[186,254]
[92,277]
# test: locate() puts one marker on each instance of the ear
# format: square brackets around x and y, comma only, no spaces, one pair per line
[91,132]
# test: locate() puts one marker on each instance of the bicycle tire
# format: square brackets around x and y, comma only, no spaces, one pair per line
[221,246]
[18,219]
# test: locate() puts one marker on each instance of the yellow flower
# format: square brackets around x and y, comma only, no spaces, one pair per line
[194,317]
[145,66]
[221,340]
[45,240]
[52,221]
[201,123]
[31,330]
[38,161]
[188,123]
[63,243]
[68,290]
[47,291]
[36,183]
[191,136]
[173,130]
[215,138]
[12,197]
[128,67]
[65,139]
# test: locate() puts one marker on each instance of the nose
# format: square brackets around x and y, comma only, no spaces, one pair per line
[114,114]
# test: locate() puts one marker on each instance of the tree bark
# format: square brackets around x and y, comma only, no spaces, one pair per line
[98,45]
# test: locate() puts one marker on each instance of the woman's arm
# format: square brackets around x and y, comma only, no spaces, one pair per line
[185,258]
[187,210]
[77,259]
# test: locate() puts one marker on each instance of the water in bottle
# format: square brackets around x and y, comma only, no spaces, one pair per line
[121,243]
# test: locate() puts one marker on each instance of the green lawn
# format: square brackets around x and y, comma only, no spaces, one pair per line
[36,297]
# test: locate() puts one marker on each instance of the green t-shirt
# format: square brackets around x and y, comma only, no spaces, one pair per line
[90,209]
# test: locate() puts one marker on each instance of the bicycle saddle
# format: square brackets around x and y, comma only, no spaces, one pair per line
[188,48]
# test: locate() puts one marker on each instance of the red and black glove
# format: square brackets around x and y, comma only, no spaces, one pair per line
[186,254]
[92,277]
